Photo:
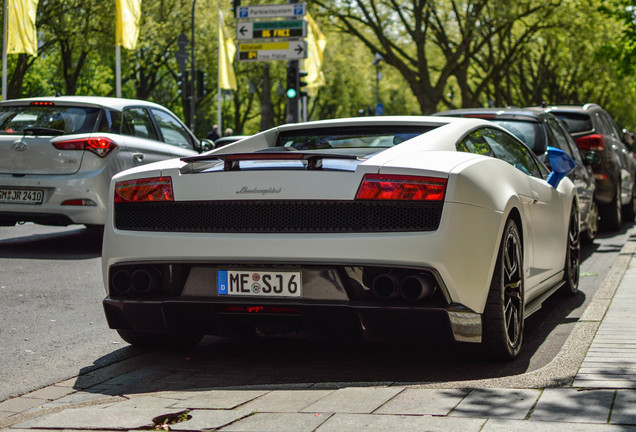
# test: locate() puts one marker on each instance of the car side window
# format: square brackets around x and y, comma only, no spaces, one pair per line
[137,122]
[610,125]
[601,125]
[174,133]
[110,121]
[498,144]
[475,143]
[512,151]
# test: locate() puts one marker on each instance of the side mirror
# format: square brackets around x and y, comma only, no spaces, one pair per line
[207,145]
[592,158]
[561,164]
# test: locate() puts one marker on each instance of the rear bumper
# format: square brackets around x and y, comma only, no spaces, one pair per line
[89,186]
[316,319]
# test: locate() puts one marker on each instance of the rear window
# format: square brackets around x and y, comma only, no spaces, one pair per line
[369,138]
[576,122]
[53,120]
[528,132]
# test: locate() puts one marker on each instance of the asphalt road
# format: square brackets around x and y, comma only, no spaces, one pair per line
[52,326]
[51,319]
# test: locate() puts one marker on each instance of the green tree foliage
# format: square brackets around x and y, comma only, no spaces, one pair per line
[436,54]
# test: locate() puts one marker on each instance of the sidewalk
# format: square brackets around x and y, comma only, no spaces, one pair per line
[600,397]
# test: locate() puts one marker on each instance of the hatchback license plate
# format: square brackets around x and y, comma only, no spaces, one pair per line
[21,196]
[259,283]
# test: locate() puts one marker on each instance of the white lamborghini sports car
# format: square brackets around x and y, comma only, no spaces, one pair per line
[368,227]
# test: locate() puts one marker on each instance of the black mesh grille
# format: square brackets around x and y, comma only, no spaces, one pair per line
[283,216]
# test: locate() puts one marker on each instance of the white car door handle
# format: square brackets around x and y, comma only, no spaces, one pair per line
[138,157]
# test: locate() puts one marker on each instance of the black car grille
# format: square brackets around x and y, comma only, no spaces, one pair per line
[280,216]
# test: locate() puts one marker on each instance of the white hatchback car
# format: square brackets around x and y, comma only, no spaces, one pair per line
[59,154]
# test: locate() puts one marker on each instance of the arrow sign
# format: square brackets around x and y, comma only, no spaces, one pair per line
[271,29]
[265,51]
[296,10]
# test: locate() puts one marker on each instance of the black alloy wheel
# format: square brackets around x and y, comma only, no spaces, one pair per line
[503,317]
[572,266]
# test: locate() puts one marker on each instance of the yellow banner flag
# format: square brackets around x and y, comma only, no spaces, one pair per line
[227,49]
[316,43]
[128,15]
[22,35]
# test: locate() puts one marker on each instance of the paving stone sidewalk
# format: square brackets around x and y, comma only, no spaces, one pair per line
[601,397]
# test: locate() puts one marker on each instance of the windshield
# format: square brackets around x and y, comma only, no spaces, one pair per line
[47,119]
[367,138]
[528,132]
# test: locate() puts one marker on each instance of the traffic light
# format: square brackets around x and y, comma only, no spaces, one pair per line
[302,74]
[180,83]
[292,83]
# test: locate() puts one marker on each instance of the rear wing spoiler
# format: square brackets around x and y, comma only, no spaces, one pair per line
[231,161]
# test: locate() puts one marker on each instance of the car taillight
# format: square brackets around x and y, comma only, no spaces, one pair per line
[594,142]
[401,187]
[101,146]
[146,189]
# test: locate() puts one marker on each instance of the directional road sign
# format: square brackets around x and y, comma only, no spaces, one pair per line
[271,29]
[287,50]
[296,10]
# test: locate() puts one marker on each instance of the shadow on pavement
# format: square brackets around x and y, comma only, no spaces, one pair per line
[296,362]
[82,243]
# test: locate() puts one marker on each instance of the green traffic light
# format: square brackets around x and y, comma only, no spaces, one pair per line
[291,93]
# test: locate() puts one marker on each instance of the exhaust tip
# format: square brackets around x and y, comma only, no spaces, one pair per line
[386,286]
[145,281]
[120,282]
[416,287]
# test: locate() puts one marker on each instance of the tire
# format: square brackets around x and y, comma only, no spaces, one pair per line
[503,316]
[611,214]
[589,234]
[628,209]
[572,266]
[160,340]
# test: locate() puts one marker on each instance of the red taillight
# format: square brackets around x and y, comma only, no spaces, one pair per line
[42,103]
[401,187]
[146,189]
[594,142]
[101,146]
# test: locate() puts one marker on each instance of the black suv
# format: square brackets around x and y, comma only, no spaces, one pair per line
[594,130]
[538,130]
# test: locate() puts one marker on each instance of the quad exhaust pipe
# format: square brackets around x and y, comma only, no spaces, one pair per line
[411,287]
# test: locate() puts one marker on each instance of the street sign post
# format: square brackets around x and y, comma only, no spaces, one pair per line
[296,10]
[271,29]
[262,51]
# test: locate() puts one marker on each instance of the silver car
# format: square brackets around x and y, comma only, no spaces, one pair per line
[59,154]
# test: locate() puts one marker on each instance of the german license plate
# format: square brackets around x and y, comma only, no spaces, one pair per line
[258,283]
[21,196]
